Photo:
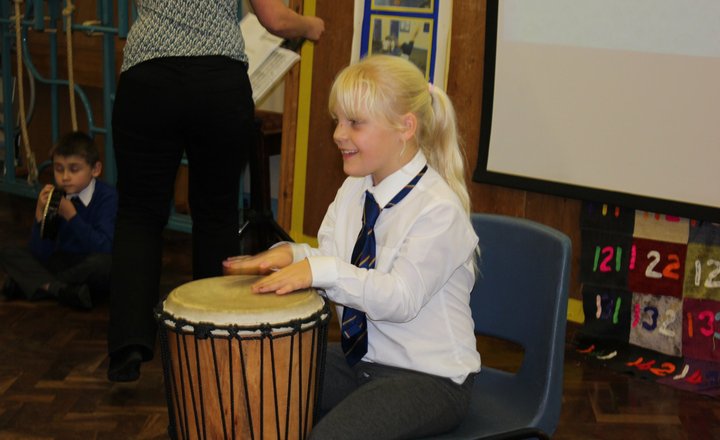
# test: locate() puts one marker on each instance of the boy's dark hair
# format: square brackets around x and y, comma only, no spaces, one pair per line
[77,143]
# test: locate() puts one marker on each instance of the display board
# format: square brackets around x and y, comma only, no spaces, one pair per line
[605,100]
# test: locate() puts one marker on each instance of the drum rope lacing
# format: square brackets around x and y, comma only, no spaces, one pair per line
[205,331]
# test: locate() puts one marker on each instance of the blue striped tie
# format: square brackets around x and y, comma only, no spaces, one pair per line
[354,322]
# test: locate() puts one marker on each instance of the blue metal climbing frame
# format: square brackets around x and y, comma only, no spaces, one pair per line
[46,17]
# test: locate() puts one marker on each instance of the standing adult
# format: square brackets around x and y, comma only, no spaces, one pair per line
[184,88]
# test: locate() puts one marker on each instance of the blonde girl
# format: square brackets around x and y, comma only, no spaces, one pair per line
[406,370]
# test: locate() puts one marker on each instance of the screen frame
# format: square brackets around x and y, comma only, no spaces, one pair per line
[481,173]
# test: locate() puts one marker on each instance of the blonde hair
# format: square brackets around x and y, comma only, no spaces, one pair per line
[385,88]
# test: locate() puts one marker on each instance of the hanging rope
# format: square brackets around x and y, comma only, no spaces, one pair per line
[29,155]
[67,13]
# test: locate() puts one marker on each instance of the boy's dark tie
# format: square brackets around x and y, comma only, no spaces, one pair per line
[354,322]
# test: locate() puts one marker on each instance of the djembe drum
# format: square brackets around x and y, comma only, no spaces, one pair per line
[239,365]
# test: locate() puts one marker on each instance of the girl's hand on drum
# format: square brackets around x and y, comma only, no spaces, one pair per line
[294,277]
[240,265]
[261,264]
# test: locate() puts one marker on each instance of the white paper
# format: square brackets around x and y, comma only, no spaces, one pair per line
[268,61]
[271,71]
[259,43]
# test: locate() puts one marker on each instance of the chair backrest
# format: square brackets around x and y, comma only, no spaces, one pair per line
[521,296]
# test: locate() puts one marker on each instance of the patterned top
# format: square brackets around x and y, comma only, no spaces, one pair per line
[167,28]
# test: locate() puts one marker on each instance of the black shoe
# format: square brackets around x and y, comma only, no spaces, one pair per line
[11,289]
[77,296]
[125,365]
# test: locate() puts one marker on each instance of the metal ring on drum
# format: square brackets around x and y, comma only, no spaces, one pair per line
[239,365]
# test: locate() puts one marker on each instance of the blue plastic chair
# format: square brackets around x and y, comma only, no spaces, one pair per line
[521,296]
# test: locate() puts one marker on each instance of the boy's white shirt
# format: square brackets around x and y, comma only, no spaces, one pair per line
[86,194]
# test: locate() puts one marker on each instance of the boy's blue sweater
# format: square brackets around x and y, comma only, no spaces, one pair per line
[89,232]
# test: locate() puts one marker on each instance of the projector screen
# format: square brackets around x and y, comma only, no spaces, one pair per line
[614,101]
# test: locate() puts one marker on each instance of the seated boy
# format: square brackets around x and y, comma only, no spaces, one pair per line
[75,265]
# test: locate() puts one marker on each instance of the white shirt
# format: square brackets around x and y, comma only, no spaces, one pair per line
[417,297]
[86,194]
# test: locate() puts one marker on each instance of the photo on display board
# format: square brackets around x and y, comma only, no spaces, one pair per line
[404,5]
[407,38]
[418,30]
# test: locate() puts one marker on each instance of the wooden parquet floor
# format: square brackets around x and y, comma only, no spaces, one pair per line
[53,363]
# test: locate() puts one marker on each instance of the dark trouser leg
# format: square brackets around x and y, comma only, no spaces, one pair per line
[164,107]
[147,135]
[392,403]
[61,269]
[22,267]
[92,270]
[339,380]
[218,141]
[134,290]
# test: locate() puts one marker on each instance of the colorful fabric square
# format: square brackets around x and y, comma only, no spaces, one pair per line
[607,312]
[657,267]
[647,364]
[604,217]
[353,336]
[702,272]
[697,376]
[705,233]
[656,323]
[661,227]
[604,258]
[701,331]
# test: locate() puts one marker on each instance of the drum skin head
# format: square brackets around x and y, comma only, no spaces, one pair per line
[228,301]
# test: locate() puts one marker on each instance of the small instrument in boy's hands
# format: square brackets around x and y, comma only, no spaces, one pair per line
[50,219]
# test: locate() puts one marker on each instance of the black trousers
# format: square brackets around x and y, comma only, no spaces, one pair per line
[374,401]
[200,106]
[31,274]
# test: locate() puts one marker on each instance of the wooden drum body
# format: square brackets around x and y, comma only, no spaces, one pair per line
[239,365]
